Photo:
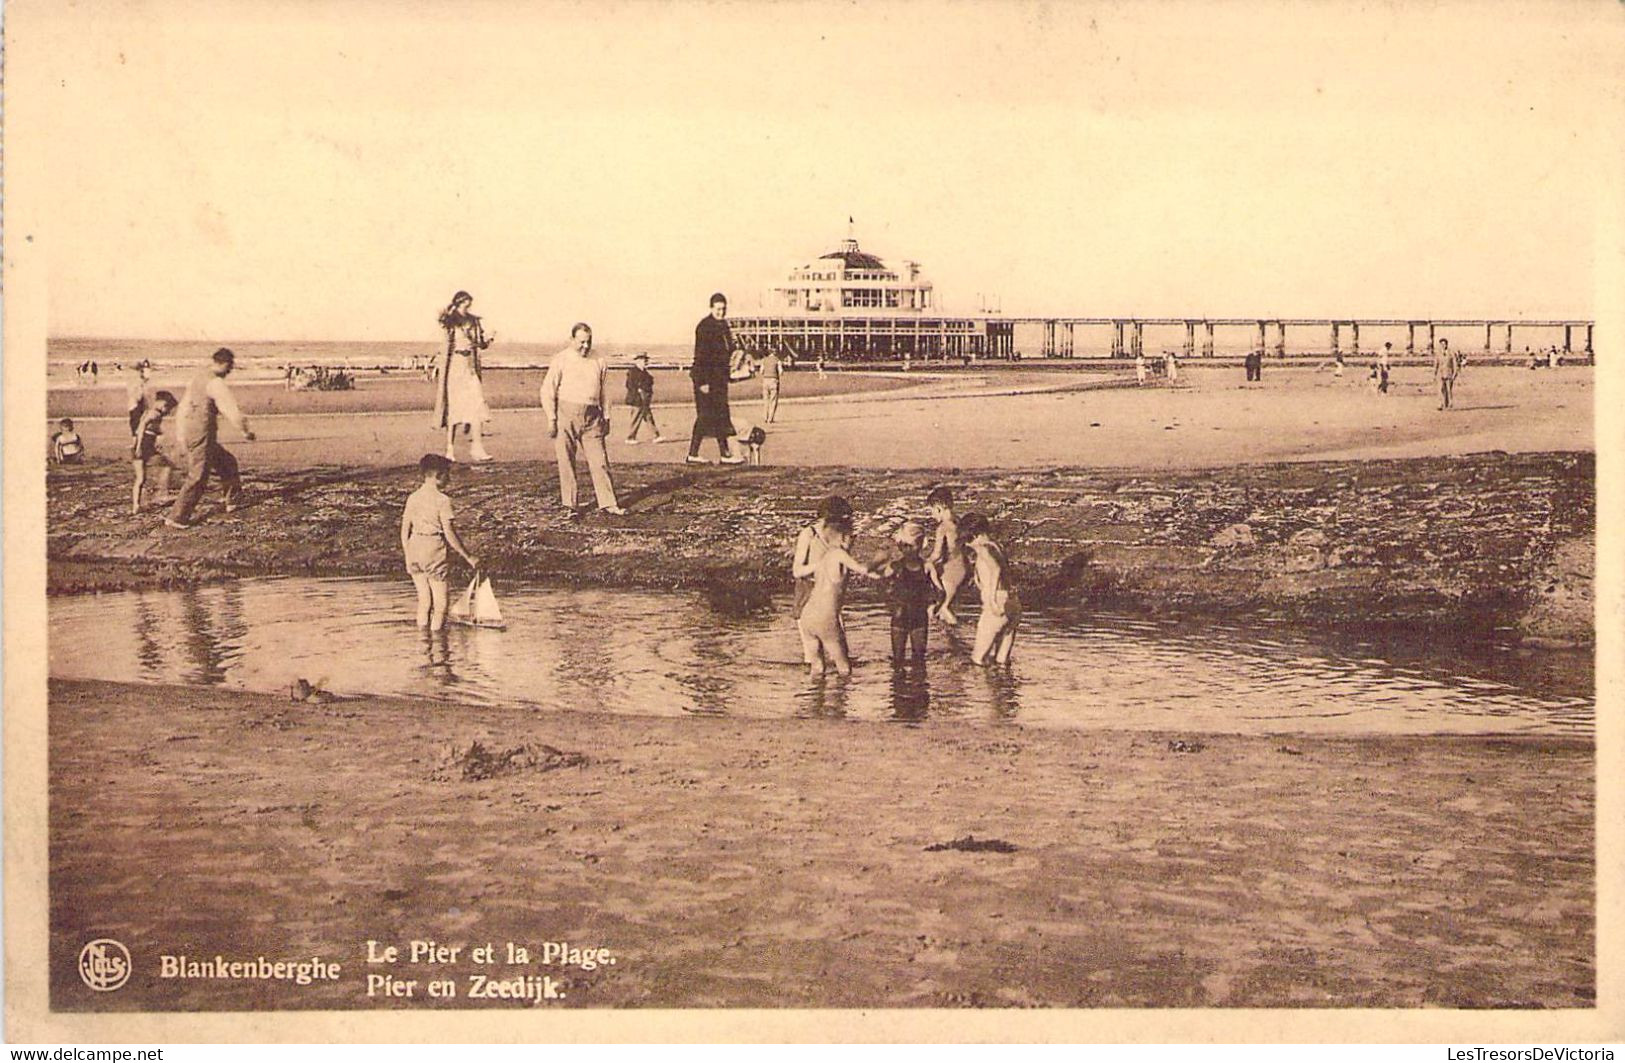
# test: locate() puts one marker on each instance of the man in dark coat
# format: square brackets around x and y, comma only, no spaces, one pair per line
[713,345]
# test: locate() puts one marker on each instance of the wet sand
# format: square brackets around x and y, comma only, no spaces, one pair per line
[790,863]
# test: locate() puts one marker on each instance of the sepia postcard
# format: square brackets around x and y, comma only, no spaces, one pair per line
[1030,521]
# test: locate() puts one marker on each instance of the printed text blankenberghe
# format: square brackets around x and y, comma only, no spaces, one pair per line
[300,972]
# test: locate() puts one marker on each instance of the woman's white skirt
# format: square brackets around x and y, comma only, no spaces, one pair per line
[465,396]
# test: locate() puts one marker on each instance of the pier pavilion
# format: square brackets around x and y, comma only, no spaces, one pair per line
[850,305]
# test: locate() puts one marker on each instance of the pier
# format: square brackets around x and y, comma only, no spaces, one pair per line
[854,337]
[1057,336]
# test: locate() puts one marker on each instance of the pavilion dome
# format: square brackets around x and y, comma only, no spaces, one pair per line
[852,258]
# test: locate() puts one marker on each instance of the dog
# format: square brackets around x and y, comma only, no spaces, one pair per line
[752,441]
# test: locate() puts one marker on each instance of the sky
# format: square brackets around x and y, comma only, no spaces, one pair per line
[303,170]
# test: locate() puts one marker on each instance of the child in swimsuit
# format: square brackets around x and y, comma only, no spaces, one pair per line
[821,626]
[811,545]
[145,450]
[946,563]
[1001,607]
[66,446]
[426,532]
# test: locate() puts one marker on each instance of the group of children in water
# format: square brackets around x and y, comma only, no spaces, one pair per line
[919,585]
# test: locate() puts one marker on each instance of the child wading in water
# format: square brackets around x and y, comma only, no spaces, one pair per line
[426,532]
[145,450]
[822,632]
[947,561]
[1001,608]
[910,595]
[811,544]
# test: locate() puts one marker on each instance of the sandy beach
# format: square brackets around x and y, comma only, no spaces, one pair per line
[803,863]
[826,863]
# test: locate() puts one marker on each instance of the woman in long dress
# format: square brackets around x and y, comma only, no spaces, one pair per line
[459,394]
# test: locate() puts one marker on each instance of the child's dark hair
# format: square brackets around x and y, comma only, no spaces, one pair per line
[940,496]
[835,508]
[971,525]
[434,463]
[66,422]
[841,522]
[166,398]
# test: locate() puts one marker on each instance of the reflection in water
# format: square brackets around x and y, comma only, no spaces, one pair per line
[910,693]
[436,664]
[1003,690]
[667,654]
[824,697]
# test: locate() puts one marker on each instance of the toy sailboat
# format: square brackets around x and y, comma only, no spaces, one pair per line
[478,607]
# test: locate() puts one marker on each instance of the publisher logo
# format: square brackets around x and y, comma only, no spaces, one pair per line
[104,965]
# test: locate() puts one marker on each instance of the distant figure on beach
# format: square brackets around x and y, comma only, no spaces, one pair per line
[1385,367]
[207,397]
[146,452]
[1446,367]
[910,595]
[823,631]
[66,446]
[640,396]
[1139,370]
[1170,366]
[460,392]
[573,400]
[713,347]
[95,373]
[426,535]
[946,562]
[811,545]
[135,393]
[1001,607]
[771,369]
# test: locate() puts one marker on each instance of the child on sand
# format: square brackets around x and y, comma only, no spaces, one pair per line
[640,395]
[910,595]
[823,634]
[426,532]
[66,446]
[145,450]
[1001,608]
[811,546]
[946,563]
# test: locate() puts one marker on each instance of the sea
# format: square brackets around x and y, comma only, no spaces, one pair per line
[268,359]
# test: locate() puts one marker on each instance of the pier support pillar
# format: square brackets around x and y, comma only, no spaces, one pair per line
[1509,337]
[1410,337]
[1354,335]
[1261,343]
[1207,344]
[1487,340]
[1432,336]
[1337,336]
[1139,338]
[1588,339]
[1190,339]
[1280,339]
[1117,339]
[1568,339]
